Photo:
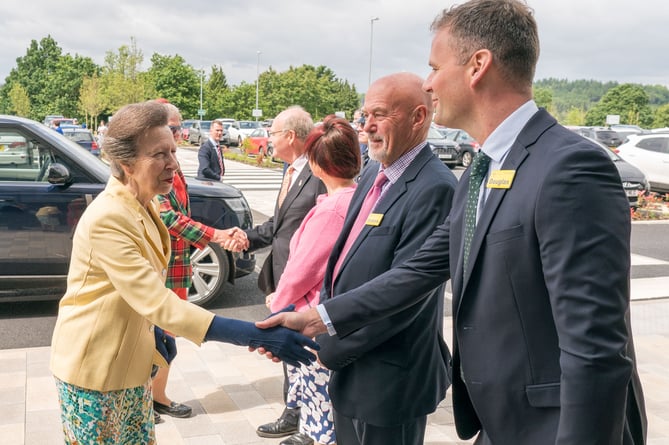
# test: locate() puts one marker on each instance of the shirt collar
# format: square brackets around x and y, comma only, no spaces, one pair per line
[397,168]
[298,165]
[500,141]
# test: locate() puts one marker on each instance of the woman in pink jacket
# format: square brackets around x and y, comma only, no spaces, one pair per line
[334,156]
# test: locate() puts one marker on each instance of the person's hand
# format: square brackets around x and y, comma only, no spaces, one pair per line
[285,344]
[308,323]
[233,239]
[165,344]
[268,300]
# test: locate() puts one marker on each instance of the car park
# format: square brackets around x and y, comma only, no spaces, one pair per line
[199,132]
[82,137]
[231,127]
[649,153]
[42,199]
[604,135]
[446,150]
[247,127]
[260,142]
[468,145]
[633,179]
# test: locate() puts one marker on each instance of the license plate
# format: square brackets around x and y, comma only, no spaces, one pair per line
[446,156]
[631,193]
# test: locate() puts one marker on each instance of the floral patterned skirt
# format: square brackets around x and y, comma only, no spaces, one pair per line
[106,417]
[309,388]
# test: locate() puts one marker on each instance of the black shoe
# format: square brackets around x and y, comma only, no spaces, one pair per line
[174,409]
[284,425]
[298,439]
[157,419]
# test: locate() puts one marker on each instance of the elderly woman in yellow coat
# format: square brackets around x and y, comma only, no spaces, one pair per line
[104,346]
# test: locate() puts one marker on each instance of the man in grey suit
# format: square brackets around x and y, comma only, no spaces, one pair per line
[300,189]
[538,253]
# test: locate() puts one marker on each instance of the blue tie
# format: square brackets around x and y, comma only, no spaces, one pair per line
[479,170]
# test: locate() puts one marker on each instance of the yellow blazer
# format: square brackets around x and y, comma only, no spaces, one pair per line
[103,339]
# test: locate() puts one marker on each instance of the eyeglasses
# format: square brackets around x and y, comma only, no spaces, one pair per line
[175,129]
[272,133]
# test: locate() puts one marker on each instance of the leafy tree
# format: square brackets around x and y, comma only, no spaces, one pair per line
[543,97]
[122,80]
[215,94]
[628,100]
[175,80]
[91,100]
[20,102]
[661,119]
[575,116]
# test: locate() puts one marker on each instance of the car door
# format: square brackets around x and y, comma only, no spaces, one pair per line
[38,218]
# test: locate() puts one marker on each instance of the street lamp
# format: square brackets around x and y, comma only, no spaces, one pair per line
[371,45]
[200,112]
[257,84]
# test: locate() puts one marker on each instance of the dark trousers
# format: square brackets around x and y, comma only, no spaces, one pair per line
[356,432]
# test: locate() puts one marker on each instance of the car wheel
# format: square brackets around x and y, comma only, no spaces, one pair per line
[211,269]
[466,159]
[239,141]
[270,151]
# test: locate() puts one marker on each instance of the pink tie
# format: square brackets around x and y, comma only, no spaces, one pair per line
[367,207]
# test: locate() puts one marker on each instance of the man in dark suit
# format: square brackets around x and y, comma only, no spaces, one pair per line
[298,195]
[543,350]
[210,156]
[389,375]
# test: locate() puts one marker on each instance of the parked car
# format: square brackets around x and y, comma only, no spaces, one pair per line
[42,201]
[633,179]
[468,145]
[247,127]
[604,135]
[446,150]
[82,137]
[50,118]
[260,142]
[231,127]
[650,153]
[185,127]
[199,132]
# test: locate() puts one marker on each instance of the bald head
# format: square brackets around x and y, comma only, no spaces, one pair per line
[398,113]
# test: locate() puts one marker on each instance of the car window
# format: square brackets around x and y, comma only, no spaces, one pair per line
[79,136]
[258,132]
[658,144]
[434,134]
[19,158]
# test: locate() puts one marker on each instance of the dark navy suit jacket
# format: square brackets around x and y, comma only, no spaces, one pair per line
[208,166]
[395,370]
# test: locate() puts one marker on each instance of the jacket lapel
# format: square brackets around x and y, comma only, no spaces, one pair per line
[304,177]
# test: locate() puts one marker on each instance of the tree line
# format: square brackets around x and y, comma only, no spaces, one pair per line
[46,81]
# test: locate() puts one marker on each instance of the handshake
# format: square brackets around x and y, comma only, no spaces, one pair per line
[233,239]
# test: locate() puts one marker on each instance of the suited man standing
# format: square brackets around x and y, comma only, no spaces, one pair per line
[210,156]
[297,196]
[538,253]
[377,395]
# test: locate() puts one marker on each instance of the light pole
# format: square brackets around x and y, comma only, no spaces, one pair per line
[200,112]
[257,83]
[371,45]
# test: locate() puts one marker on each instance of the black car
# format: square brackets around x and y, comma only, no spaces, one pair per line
[606,136]
[447,151]
[43,193]
[468,145]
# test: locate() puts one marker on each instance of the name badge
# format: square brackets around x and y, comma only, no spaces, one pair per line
[501,179]
[374,219]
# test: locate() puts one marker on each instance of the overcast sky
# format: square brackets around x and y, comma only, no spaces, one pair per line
[603,40]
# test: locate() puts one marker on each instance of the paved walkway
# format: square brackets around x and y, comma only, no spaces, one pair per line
[233,391]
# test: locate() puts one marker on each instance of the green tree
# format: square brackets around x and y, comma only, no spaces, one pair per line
[575,116]
[215,94]
[91,100]
[173,79]
[122,80]
[629,101]
[661,119]
[543,97]
[50,79]
[20,102]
